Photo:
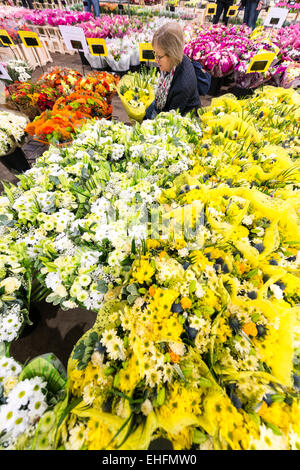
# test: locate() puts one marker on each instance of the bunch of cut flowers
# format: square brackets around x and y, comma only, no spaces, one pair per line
[185,345]
[12,131]
[101,83]
[31,398]
[56,126]
[63,79]
[18,70]
[137,91]
[31,98]
[90,104]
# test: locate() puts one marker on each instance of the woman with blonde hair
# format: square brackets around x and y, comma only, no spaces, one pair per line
[177,84]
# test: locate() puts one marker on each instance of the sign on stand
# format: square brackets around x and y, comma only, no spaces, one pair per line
[261,62]
[97,46]
[5,38]
[232,11]
[29,39]
[4,75]
[211,9]
[74,38]
[276,17]
[146,52]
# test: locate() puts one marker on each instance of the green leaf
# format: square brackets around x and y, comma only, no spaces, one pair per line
[131,299]
[50,368]
[160,399]
[102,287]
[204,382]
[192,286]
[132,289]
[251,273]
[199,437]
[274,428]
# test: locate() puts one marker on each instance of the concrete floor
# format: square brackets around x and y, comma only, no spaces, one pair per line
[57,331]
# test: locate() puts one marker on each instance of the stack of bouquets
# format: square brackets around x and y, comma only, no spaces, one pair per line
[30,98]
[88,97]
[31,398]
[56,17]
[219,48]
[99,83]
[18,70]
[111,26]
[255,79]
[90,104]
[222,50]
[197,333]
[63,79]
[294,7]
[56,126]
[12,131]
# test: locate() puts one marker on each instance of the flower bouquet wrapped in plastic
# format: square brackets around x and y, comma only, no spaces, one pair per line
[56,127]
[136,92]
[101,83]
[91,104]
[61,78]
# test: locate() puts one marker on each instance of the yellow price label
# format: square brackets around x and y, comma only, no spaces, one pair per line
[5,38]
[211,9]
[256,32]
[29,39]
[97,46]
[232,11]
[146,52]
[261,62]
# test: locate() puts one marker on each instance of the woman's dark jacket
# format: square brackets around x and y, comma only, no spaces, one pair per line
[183,93]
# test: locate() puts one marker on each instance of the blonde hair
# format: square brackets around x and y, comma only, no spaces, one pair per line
[170,39]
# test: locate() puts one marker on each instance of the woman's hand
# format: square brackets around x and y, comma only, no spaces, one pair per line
[259,6]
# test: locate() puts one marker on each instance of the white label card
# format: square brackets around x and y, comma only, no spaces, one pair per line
[74,38]
[4,75]
[276,17]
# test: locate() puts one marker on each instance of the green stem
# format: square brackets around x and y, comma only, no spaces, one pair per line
[7,349]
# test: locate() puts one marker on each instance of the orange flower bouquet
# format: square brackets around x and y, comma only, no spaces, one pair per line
[102,83]
[56,126]
[93,105]
[61,78]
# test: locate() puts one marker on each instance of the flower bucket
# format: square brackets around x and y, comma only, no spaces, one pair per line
[135,58]
[15,161]
[121,65]
[96,62]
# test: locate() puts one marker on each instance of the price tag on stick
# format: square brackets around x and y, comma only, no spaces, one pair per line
[74,38]
[29,39]
[232,11]
[97,46]
[5,38]
[276,17]
[211,9]
[261,62]
[146,52]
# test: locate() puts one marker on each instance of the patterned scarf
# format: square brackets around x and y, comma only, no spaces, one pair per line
[163,87]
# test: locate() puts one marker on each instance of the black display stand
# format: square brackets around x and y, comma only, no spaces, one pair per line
[215,86]
[34,317]
[242,92]
[15,161]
